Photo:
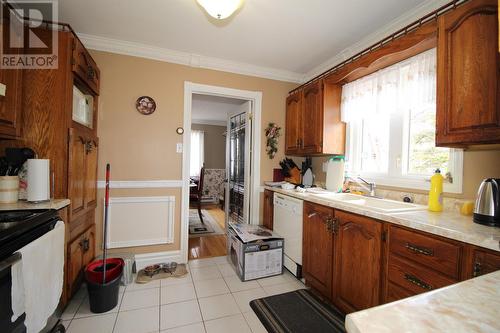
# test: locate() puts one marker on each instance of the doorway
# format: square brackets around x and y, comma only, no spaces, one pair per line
[218,190]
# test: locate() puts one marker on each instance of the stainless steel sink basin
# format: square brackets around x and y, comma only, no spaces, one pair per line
[382,205]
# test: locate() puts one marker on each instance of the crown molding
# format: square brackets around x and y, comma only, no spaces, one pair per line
[398,23]
[184,58]
[209,122]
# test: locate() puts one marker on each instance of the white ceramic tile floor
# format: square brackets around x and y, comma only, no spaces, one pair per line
[211,298]
[206,288]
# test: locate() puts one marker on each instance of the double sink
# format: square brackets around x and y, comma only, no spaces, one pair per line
[381,205]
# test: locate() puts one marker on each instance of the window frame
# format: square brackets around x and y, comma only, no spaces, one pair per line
[397,158]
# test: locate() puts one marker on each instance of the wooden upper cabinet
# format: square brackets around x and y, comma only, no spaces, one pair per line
[76,177]
[10,98]
[312,119]
[10,103]
[468,98]
[358,262]
[317,249]
[82,172]
[293,123]
[313,125]
[90,193]
[84,66]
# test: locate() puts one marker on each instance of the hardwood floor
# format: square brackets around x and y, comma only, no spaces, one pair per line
[209,246]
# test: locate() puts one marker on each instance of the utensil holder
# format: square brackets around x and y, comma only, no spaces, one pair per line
[9,189]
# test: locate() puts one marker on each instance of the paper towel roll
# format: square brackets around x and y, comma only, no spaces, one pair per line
[38,180]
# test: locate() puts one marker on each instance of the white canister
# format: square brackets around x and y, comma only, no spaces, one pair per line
[335,174]
[38,180]
[9,189]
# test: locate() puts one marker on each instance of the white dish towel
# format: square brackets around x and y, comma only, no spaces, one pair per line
[40,285]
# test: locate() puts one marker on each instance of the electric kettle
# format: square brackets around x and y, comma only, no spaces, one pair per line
[487,209]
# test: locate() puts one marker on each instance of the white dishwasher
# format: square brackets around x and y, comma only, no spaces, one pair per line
[287,222]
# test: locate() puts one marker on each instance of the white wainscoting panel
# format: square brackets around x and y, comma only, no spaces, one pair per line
[138,221]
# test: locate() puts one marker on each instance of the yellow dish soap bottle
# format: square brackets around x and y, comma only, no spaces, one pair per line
[436,192]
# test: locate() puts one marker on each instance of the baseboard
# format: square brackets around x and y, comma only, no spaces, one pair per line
[146,259]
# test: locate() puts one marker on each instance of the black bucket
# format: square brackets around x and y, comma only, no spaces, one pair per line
[104,297]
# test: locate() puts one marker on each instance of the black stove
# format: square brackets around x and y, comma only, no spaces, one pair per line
[20,227]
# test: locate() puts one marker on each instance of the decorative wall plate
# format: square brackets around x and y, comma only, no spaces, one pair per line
[145,105]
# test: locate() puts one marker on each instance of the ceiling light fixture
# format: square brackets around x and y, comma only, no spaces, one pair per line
[220,9]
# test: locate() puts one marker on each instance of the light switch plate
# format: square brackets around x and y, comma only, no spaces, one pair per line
[179,147]
[3,89]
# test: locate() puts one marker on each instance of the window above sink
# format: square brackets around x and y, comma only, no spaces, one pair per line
[391,127]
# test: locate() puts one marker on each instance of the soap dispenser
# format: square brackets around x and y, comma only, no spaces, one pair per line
[436,192]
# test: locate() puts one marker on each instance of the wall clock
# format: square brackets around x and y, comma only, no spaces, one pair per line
[145,105]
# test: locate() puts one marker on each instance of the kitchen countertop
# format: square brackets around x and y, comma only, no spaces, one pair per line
[445,224]
[52,204]
[469,306]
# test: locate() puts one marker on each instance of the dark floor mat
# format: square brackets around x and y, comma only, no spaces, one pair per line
[298,312]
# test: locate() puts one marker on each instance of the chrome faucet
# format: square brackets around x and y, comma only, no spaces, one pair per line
[370,187]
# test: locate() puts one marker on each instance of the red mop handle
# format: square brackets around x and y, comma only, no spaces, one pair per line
[105,234]
[107,184]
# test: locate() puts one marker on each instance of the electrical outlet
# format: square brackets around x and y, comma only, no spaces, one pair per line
[179,147]
[324,166]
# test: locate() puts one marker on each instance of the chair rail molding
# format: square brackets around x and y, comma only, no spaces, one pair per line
[141,184]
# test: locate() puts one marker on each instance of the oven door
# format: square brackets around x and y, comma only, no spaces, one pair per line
[6,296]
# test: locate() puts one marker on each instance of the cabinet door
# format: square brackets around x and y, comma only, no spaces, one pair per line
[75,264]
[317,248]
[267,220]
[485,262]
[91,174]
[357,274]
[85,67]
[293,123]
[88,246]
[312,119]
[468,108]
[76,172]
[10,97]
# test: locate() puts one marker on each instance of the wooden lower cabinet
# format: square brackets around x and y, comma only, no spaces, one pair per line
[317,253]
[358,262]
[484,262]
[81,251]
[267,219]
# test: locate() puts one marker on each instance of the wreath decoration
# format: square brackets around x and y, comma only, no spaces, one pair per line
[273,132]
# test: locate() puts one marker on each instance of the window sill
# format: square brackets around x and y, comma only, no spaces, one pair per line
[411,183]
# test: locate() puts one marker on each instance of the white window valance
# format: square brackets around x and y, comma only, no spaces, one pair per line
[407,84]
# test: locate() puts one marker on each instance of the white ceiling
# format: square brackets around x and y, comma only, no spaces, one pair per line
[213,110]
[288,38]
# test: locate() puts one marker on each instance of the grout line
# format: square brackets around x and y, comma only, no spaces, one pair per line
[159,309]
[120,301]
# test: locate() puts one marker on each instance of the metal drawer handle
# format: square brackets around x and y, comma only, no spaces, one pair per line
[420,250]
[477,269]
[311,215]
[85,244]
[416,281]
[331,224]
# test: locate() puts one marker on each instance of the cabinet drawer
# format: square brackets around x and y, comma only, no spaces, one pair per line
[395,293]
[440,255]
[415,278]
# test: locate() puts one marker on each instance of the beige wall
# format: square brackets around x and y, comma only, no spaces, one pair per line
[215,145]
[143,147]
[478,164]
